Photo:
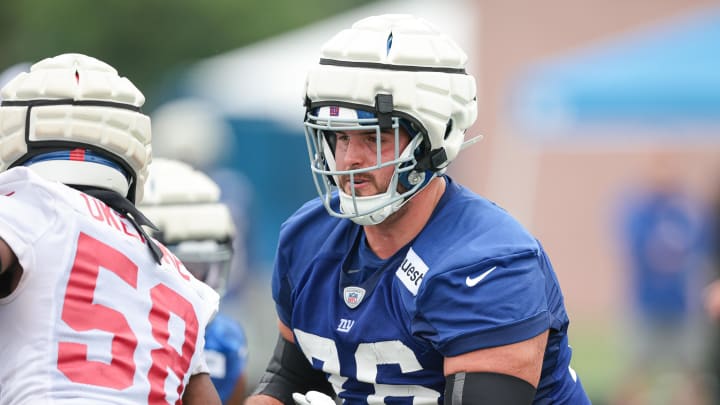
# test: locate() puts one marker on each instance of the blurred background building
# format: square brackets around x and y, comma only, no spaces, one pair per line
[576,99]
[582,104]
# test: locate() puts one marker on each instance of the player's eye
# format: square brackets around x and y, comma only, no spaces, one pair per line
[342,137]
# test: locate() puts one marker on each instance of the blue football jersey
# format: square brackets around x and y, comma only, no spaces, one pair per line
[226,353]
[473,278]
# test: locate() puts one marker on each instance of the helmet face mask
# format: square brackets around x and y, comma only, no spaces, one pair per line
[321,129]
[406,73]
[207,260]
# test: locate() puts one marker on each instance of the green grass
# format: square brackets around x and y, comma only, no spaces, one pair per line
[597,358]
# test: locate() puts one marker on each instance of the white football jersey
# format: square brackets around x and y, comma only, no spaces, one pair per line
[94,320]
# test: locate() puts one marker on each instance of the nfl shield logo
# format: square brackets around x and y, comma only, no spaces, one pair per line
[334,111]
[353,296]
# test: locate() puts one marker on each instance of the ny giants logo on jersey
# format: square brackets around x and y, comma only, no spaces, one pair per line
[345,325]
[412,271]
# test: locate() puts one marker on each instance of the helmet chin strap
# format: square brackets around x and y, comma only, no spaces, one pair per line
[348,204]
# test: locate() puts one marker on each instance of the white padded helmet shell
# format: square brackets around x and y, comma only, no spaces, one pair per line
[73,101]
[184,203]
[408,58]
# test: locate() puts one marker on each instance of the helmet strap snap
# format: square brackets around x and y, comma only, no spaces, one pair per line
[433,160]
[384,109]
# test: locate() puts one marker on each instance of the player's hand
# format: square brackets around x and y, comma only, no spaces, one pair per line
[312,398]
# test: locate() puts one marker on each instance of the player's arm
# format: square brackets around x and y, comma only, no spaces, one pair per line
[506,375]
[200,391]
[288,372]
[10,270]
[238,393]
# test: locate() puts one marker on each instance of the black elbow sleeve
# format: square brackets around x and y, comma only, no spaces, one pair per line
[487,389]
[289,371]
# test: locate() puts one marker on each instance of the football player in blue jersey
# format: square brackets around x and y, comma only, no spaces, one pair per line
[413,290]
[199,230]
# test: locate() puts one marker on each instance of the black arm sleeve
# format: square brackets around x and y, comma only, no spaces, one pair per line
[289,371]
[487,389]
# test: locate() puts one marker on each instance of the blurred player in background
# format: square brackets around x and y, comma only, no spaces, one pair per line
[664,231]
[413,290]
[184,205]
[93,311]
[192,131]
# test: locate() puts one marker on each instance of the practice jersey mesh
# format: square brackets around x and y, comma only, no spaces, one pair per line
[473,278]
[94,319]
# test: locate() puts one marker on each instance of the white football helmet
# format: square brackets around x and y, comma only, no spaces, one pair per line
[183,203]
[388,72]
[73,119]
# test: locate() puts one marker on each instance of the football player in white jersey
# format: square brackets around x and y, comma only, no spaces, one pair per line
[184,204]
[413,290]
[93,311]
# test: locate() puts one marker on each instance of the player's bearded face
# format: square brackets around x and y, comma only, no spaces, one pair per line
[359,149]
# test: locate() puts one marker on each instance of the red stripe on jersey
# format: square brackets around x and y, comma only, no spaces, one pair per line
[77,154]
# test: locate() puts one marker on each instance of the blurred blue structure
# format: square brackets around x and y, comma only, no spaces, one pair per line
[273,158]
[260,165]
[662,78]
